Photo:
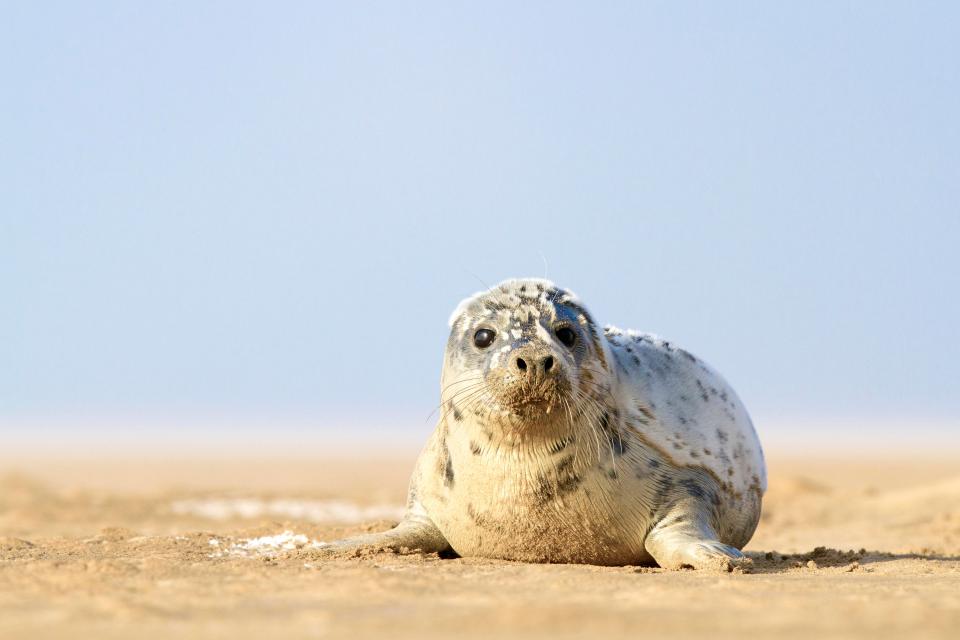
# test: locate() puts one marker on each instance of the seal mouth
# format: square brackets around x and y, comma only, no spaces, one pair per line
[531,402]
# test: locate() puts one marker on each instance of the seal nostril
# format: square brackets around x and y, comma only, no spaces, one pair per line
[521,364]
[548,363]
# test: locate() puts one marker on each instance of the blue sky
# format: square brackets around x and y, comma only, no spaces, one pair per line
[270,210]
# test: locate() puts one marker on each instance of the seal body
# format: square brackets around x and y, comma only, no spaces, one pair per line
[559,441]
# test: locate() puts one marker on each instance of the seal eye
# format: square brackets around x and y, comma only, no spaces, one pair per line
[483,338]
[567,336]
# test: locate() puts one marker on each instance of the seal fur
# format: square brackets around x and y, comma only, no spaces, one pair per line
[619,448]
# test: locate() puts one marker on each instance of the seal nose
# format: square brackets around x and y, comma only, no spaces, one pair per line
[534,365]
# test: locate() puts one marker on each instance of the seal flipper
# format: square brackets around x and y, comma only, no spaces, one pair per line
[683,539]
[414,534]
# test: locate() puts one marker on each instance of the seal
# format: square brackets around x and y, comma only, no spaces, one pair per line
[562,442]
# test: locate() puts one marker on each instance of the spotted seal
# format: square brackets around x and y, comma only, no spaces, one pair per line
[562,442]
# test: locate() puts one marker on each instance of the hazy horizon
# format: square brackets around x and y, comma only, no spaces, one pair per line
[265,216]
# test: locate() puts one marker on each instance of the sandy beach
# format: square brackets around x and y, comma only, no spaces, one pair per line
[163,546]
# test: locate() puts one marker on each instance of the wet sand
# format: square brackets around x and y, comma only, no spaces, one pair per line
[161,546]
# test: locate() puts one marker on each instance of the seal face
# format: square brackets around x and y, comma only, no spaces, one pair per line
[522,374]
[559,441]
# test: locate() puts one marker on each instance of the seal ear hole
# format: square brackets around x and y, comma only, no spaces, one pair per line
[567,336]
[483,338]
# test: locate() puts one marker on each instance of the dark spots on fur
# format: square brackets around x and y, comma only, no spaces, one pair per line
[686,354]
[617,444]
[722,435]
[568,484]
[456,414]
[548,490]
[646,412]
[703,391]
[605,421]
[612,474]
[478,518]
[563,481]
[653,463]
[693,488]
[663,486]
[447,468]
[723,396]
[707,452]
[475,448]
[694,454]
[683,420]
[677,445]
[448,474]
[564,465]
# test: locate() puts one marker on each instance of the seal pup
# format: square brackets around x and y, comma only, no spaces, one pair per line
[562,442]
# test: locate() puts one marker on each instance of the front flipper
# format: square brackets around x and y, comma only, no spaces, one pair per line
[683,539]
[414,534]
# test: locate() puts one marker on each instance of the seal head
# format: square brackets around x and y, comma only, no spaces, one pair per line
[519,357]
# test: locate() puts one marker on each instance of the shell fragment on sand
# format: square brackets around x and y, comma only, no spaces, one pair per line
[265,546]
